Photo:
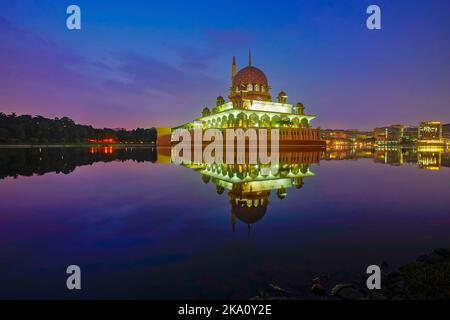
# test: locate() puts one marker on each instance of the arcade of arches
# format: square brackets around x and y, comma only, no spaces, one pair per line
[252,120]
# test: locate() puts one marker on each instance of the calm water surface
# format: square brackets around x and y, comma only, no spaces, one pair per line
[141,228]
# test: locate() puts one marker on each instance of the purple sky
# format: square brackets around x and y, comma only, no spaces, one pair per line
[147,64]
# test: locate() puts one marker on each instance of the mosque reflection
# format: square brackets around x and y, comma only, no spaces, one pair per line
[249,186]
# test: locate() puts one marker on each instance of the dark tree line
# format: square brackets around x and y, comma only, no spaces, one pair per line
[16,162]
[29,129]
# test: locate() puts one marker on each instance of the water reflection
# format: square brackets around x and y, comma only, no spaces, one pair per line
[424,158]
[293,166]
[16,162]
[250,185]
[172,225]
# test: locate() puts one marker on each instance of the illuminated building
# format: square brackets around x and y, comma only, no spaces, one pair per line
[430,132]
[329,134]
[358,135]
[347,138]
[250,105]
[410,134]
[389,135]
[335,138]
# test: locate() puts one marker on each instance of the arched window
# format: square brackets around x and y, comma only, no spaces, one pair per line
[237,89]
[256,87]
[249,87]
[262,89]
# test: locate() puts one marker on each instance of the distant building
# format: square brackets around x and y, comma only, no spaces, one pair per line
[389,135]
[330,134]
[359,135]
[410,134]
[335,138]
[347,137]
[430,132]
[446,131]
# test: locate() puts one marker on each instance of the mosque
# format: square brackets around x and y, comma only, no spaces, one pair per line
[250,105]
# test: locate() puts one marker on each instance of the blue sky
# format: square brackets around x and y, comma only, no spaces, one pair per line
[153,63]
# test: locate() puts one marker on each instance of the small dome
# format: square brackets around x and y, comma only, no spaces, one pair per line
[219,101]
[250,75]
[282,97]
[206,112]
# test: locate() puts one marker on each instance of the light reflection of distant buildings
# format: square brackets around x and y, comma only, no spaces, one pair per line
[428,133]
[424,157]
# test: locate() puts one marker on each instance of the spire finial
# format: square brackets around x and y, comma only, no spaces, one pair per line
[250,57]
[233,68]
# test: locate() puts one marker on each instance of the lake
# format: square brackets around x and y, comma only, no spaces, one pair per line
[140,227]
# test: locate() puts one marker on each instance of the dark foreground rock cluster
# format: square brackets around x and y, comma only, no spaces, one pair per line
[426,278]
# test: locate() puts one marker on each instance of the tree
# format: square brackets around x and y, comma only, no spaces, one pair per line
[4,135]
[28,129]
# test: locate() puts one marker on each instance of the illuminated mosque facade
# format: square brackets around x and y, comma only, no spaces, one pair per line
[250,105]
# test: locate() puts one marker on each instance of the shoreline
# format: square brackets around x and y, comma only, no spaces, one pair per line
[425,278]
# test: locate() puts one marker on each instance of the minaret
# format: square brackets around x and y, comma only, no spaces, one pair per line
[249,58]
[233,68]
